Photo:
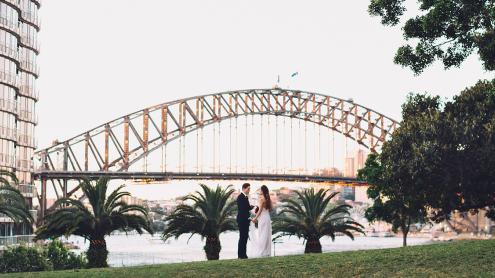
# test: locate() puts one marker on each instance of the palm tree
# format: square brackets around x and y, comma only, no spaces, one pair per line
[210,214]
[12,203]
[311,216]
[104,215]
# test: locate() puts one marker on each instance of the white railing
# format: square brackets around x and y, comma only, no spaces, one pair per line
[10,240]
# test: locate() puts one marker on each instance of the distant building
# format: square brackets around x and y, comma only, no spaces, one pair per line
[19,48]
[349,170]
[330,172]
[360,159]
[354,162]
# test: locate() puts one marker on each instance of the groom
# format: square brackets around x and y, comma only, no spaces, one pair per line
[243,212]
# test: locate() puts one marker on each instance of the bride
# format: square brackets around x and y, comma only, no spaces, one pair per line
[261,238]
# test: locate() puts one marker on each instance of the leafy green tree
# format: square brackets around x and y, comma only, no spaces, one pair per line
[211,213]
[448,30]
[311,216]
[104,215]
[465,179]
[12,203]
[398,177]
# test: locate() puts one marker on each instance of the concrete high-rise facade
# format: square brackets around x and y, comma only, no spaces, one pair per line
[354,162]
[19,48]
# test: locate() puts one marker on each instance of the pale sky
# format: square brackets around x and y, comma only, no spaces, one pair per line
[103,59]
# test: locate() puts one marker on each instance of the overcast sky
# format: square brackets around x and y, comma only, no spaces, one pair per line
[103,59]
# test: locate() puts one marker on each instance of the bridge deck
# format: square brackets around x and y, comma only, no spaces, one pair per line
[163,176]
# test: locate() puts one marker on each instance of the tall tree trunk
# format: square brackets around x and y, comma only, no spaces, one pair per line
[313,245]
[404,238]
[212,248]
[97,253]
[405,230]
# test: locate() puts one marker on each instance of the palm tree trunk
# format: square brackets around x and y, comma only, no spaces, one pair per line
[212,248]
[313,245]
[97,253]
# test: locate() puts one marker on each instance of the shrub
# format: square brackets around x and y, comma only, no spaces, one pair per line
[24,259]
[55,256]
[61,258]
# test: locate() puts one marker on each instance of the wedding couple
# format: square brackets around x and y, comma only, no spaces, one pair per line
[261,237]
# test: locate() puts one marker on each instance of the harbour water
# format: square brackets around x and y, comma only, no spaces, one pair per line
[132,250]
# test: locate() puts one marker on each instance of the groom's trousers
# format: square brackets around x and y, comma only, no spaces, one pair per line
[243,238]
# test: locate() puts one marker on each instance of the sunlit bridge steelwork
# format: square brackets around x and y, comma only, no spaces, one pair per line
[114,149]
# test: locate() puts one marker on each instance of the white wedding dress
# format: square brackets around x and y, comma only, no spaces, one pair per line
[261,237]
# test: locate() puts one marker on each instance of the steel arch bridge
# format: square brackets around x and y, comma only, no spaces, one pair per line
[111,148]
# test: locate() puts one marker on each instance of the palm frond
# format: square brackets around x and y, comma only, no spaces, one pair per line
[311,215]
[210,213]
[106,214]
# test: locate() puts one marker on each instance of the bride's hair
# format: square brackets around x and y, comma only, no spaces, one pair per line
[266,195]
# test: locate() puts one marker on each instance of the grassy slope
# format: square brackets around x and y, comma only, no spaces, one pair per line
[456,259]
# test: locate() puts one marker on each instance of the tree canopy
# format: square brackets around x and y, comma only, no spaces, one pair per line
[440,160]
[396,175]
[448,30]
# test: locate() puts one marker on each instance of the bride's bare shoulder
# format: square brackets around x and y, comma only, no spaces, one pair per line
[261,198]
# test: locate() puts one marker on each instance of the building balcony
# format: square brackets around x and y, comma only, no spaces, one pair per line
[9,25]
[29,42]
[7,160]
[26,141]
[8,133]
[8,78]
[30,67]
[25,165]
[29,91]
[5,219]
[14,3]
[12,240]
[31,18]
[9,52]
[27,116]
[8,105]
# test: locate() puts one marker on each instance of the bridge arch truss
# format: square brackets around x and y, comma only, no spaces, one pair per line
[116,145]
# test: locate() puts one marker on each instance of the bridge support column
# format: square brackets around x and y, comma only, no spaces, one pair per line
[43,199]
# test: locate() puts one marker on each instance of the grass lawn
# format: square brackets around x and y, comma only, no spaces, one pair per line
[455,259]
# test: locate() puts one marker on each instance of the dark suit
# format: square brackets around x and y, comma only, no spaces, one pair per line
[243,208]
